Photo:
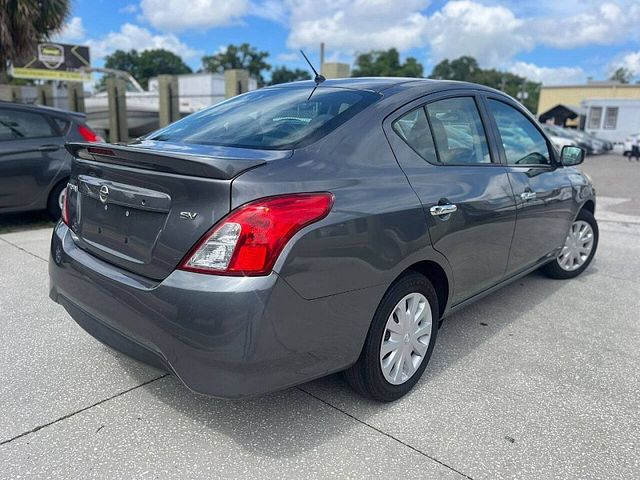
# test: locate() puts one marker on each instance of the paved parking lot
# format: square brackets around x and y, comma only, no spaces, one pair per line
[540,380]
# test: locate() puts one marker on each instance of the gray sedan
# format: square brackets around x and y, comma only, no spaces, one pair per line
[301,230]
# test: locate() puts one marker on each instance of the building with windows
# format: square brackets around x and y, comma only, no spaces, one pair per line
[569,106]
[612,119]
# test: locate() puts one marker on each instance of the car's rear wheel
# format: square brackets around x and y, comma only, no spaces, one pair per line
[56,198]
[400,340]
[578,249]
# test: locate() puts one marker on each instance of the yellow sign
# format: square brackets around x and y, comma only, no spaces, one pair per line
[41,73]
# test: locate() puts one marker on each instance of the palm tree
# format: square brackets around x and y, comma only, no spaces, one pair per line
[23,23]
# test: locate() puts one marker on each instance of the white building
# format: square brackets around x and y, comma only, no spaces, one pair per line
[201,89]
[613,119]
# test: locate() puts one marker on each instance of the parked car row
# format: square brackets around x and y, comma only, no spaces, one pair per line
[34,165]
[561,137]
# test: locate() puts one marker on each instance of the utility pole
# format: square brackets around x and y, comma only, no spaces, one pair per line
[321,56]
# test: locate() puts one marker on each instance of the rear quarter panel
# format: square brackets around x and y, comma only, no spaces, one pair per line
[376,228]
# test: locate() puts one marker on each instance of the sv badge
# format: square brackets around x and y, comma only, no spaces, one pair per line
[188,215]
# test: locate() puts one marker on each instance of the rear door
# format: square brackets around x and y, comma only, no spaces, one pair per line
[542,188]
[31,154]
[442,146]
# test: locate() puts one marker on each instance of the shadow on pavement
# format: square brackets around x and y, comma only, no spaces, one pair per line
[16,222]
[284,424]
[300,425]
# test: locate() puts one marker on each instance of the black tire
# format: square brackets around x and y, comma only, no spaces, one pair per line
[366,376]
[53,208]
[554,270]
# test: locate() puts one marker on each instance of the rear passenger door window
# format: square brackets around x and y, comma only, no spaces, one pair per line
[522,142]
[458,131]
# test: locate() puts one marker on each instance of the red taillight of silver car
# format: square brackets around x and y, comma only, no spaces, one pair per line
[249,240]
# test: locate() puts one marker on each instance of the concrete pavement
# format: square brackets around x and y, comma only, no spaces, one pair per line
[539,380]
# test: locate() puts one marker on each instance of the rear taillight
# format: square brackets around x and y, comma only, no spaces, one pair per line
[89,135]
[249,239]
[65,207]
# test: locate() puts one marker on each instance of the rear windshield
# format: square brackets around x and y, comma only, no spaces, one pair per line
[273,118]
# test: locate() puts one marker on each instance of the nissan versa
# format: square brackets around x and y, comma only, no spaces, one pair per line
[306,229]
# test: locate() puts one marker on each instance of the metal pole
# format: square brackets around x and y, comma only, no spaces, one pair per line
[322,57]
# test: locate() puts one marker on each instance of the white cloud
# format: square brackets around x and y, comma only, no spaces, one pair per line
[72,31]
[491,34]
[351,25]
[177,15]
[606,24]
[549,75]
[274,10]
[630,61]
[131,37]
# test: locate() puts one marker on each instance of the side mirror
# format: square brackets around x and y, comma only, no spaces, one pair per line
[571,156]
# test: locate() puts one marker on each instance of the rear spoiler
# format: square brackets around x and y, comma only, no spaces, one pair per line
[209,162]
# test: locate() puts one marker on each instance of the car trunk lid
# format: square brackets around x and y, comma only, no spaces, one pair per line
[143,206]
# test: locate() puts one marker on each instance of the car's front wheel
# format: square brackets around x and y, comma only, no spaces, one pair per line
[400,340]
[578,249]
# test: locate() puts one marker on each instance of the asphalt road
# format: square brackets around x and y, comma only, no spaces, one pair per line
[539,380]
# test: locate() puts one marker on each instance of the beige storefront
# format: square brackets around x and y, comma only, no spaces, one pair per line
[574,95]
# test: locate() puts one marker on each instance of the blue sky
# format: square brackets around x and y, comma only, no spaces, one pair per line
[556,42]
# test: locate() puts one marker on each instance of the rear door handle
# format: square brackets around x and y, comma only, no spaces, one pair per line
[440,210]
[528,196]
[48,148]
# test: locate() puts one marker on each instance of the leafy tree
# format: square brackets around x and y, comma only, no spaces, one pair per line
[622,75]
[146,64]
[238,56]
[386,63]
[462,68]
[23,23]
[466,69]
[284,75]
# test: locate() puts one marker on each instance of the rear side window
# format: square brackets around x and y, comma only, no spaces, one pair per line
[17,125]
[522,141]
[413,128]
[458,131]
[62,124]
[270,118]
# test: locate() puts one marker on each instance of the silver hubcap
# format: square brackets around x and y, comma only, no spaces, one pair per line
[61,199]
[577,246]
[406,338]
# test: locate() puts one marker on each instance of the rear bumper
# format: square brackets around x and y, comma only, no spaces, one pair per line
[228,337]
